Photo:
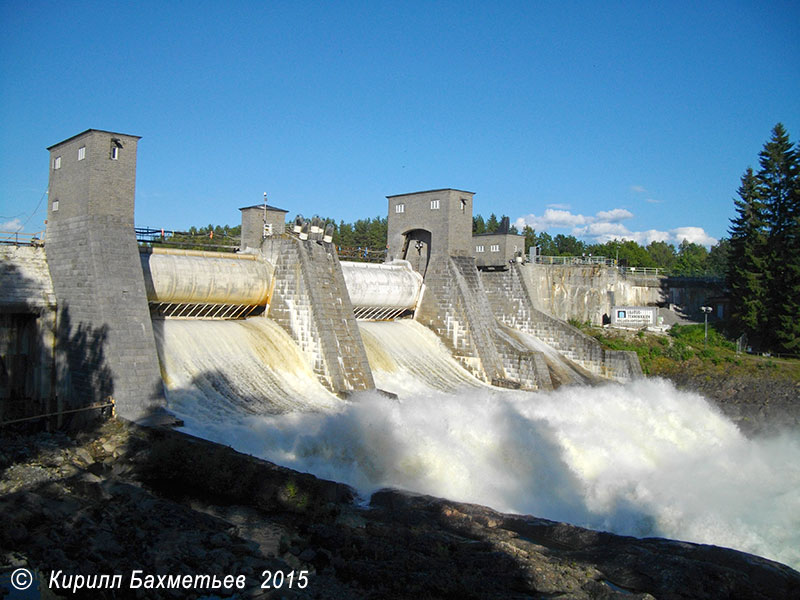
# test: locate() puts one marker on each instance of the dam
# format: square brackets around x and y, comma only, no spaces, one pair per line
[95,317]
[429,372]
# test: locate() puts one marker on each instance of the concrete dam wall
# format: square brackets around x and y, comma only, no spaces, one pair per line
[196,302]
[587,293]
[93,317]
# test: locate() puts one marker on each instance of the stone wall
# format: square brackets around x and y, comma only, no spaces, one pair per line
[27,333]
[105,336]
[586,293]
[456,308]
[311,303]
[509,296]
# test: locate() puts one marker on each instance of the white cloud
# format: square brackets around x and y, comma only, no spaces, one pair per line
[614,215]
[564,219]
[602,230]
[638,189]
[12,225]
[606,225]
[695,235]
[601,235]
[653,201]
[561,206]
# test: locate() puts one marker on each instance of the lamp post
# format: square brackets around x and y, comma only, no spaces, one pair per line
[706,310]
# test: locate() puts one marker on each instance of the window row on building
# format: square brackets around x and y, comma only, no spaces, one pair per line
[113,155]
[401,208]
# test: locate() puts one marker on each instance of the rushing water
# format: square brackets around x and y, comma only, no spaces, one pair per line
[639,459]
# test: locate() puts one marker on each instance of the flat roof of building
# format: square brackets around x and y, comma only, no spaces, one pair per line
[138,137]
[261,206]
[430,191]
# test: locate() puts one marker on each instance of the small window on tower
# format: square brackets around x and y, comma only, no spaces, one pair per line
[116,144]
[57,162]
[81,152]
[478,248]
[399,208]
[434,205]
[463,205]
[495,248]
[55,205]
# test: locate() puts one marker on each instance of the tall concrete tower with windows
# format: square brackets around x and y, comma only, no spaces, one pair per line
[429,223]
[104,332]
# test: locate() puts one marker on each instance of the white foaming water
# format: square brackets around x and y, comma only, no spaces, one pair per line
[228,369]
[407,358]
[640,459]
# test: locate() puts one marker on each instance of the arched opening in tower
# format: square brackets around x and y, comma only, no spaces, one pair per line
[417,249]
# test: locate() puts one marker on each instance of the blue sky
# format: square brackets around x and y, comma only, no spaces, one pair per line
[597,119]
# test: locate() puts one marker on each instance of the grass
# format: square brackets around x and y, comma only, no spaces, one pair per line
[685,347]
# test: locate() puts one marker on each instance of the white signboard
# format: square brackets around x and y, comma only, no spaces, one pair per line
[633,316]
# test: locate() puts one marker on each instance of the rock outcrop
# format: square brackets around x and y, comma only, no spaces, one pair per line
[124,498]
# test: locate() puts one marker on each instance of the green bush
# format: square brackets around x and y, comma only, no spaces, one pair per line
[678,350]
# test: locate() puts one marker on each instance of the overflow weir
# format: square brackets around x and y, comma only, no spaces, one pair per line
[279,320]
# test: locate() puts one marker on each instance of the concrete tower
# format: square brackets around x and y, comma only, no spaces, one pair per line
[260,221]
[105,335]
[425,224]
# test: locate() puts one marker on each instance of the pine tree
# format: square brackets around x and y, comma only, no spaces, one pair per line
[747,262]
[778,182]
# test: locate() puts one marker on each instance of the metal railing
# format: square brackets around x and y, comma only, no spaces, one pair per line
[361,254]
[19,238]
[573,260]
[653,272]
[183,239]
[102,406]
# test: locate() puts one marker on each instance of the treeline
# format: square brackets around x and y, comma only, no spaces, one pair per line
[764,264]
[364,233]
[688,259]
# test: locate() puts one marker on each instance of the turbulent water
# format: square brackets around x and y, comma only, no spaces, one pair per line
[407,358]
[639,459]
[225,369]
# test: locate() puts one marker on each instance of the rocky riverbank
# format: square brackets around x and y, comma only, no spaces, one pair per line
[761,404]
[120,499]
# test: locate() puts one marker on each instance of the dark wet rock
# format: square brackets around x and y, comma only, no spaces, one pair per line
[759,406]
[170,504]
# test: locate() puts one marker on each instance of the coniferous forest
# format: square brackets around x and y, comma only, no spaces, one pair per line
[764,261]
